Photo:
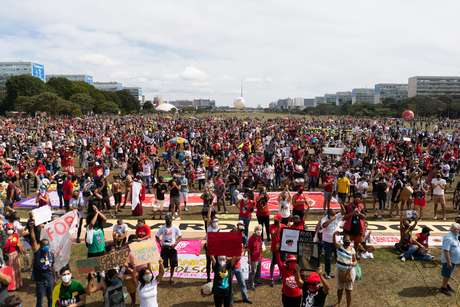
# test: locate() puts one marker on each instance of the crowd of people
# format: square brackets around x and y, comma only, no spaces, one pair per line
[374,168]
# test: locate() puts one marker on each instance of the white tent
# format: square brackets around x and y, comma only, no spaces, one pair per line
[165,107]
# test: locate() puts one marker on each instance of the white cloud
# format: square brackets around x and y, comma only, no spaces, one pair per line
[191,73]
[96,59]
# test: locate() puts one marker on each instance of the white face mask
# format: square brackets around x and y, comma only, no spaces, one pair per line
[10,232]
[214,225]
[148,277]
[258,232]
[66,278]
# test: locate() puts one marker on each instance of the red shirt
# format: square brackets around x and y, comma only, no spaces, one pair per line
[290,286]
[328,184]
[422,238]
[299,201]
[313,169]
[246,207]
[11,244]
[143,231]
[67,189]
[275,234]
[255,248]
[262,207]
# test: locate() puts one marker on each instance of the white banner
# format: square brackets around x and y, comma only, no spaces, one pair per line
[333,151]
[136,191]
[59,234]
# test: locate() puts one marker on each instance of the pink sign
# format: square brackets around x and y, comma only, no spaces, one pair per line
[189,247]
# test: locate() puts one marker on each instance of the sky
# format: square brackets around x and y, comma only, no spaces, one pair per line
[185,49]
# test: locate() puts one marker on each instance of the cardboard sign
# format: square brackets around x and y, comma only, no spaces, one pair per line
[308,251]
[144,252]
[289,240]
[103,263]
[225,244]
[333,151]
[42,215]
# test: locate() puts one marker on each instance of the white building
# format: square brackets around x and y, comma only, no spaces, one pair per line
[309,102]
[320,100]
[108,86]
[8,69]
[434,86]
[342,98]
[397,91]
[362,95]
[85,78]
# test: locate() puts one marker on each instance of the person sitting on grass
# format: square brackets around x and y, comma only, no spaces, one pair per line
[405,230]
[418,248]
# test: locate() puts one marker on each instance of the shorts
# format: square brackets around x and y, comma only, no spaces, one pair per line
[300,213]
[420,202]
[342,197]
[342,282]
[183,196]
[169,256]
[438,198]
[445,271]
[174,201]
[117,198]
[159,203]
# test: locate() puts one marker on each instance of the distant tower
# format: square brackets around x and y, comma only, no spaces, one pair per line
[238,103]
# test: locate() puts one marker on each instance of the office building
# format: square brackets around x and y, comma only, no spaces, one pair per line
[362,95]
[330,98]
[397,91]
[85,78]
[134,91]
[342,98]
[320,100]
[8,69]
[434,86]
[196,103]
[309,102]
[108,86]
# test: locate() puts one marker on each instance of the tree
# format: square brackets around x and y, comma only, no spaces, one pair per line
[128,104]
[23,85]
[106,107]
[62,86]
[148,106]
[47,102]
[84,101]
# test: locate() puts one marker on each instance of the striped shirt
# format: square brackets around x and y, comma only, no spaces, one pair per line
[345,258]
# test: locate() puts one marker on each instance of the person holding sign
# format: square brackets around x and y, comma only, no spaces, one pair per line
[168,236]
[314,290]
[292,283]
[222,283]
[95,240]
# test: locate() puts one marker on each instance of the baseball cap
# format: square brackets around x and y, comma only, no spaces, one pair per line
[313,278]
[291,258]
[278,217]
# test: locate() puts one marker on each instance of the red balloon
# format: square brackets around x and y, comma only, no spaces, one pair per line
[408,115]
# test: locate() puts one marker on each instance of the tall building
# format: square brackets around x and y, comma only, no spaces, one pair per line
[298,103]
[309,102]
[134,91]
[204,103]
[342,98]
[85,78]
[330,98]
[362,95]
[434,86]
[8,69]
[320,100]
[397,91]
[108,86]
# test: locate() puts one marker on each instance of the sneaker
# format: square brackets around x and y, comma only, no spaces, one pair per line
[435,217]
[445,291]
[450,288]
[247,302]
[403,259]
[371,256]
[186,209]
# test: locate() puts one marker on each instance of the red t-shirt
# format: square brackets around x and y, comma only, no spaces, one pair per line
[11,244]
[246,208]
[255,248]
[313,169]
[67,189]
[328,184]
[275,234]
[262,208]
[299,201]
[143,231]
[422,239]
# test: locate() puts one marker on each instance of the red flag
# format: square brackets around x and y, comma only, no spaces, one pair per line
[225,244]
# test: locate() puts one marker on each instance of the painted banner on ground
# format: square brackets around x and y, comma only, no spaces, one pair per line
[103,263]
[144,252]
[194,199]
[225,244]
[59,234]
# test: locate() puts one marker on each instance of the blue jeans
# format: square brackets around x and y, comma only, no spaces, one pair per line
[233,199]
[412,251]
[44,287]
[246,221]
[241,283]
[148,182]
[328,250]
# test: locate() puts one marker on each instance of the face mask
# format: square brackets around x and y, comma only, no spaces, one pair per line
[168,223]
[222,263]
[258,232]
[10,231]
[346,244]
[313,288]
[66,278]
[148,277]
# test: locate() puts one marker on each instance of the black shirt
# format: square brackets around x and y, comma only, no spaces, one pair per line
[174,192]
[317,299]
[160,190]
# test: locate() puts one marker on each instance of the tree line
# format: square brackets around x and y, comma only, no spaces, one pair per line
[422,107]
[60,96]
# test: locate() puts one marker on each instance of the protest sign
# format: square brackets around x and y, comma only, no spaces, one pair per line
[42,215]
[289,240]
[144,252]
[189,247]
[225,244]
[103,263]
[59,234]
[333,151]
[308,252]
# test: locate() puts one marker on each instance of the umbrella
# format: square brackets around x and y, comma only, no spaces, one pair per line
[178,140]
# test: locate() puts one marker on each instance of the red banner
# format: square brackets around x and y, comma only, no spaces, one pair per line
[225,244]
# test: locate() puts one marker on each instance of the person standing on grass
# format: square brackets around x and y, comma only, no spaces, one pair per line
[292,283]
[328,188]
[255,255]
[439,185]
[346,262]
[329,225]
[236,269]
[450,257]
[246,207]
[263,213]
[343,187]
[300,203]
[160,190]
[148,284]
[168,236]
[275,233]
[68,292]
[184,190]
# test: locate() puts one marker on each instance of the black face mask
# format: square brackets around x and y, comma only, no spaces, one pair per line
[346,244]
[168,223]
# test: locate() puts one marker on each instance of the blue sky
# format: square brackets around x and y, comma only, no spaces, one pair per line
[190,49]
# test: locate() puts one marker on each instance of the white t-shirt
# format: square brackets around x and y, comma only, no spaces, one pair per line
[329,231]
[148,294]
[445,170]
[169,235]
[438,191]
[284,208]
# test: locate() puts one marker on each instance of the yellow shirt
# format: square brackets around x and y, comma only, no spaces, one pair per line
[343,185]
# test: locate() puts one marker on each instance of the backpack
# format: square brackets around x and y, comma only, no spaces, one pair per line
[114,296]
